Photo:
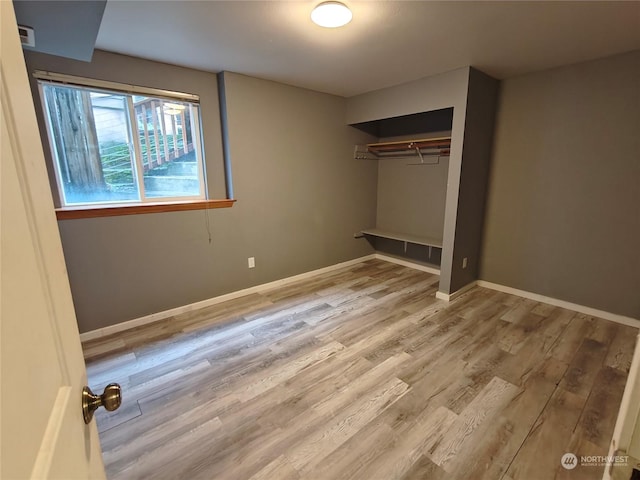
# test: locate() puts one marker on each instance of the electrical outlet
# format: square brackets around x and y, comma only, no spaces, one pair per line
[251,262]
[464,262]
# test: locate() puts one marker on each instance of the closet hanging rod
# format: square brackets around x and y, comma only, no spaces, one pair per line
[413,153]
[439,142]
[423,147]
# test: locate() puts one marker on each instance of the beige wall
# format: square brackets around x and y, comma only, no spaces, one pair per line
[563,215]
[301,197]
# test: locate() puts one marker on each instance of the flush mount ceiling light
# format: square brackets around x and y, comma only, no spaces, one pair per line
[331,14]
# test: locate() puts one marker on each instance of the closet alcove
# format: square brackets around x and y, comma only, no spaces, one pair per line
[432,141]
[412,152]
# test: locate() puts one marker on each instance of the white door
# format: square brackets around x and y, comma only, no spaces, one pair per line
[42,432]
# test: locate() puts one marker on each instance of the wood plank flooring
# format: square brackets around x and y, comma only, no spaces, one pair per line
[361,373]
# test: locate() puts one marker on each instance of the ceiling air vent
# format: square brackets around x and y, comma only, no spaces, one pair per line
[27,36]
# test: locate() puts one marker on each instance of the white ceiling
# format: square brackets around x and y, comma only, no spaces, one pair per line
[387,42]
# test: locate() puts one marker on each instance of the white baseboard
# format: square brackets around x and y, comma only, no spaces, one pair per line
[629,321]
[451,296]
[406,263]
[154,317]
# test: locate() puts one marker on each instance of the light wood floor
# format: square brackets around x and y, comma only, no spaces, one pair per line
[362,373]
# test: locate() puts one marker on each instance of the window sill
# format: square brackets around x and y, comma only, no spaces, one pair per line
[72,213]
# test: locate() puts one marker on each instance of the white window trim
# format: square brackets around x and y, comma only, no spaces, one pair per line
[199,149]
[113,86]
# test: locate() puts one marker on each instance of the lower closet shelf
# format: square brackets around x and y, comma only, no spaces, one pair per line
[403,237]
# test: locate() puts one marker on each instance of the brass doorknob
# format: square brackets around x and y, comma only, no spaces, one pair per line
[110,399]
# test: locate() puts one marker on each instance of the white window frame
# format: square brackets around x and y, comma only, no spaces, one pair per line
[51,78]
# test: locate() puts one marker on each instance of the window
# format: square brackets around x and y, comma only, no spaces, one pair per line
[123,147]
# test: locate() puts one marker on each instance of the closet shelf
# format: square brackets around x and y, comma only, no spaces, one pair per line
[425,147]
[403,237]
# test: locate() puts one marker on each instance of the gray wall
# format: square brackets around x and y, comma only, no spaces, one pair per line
[301,197]
[411,198]
[431,93]
[563,213]
[66,28]
[476,158]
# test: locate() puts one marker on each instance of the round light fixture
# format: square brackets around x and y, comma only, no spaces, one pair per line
[331,14]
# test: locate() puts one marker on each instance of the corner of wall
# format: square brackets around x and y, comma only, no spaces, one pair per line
[476,159]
